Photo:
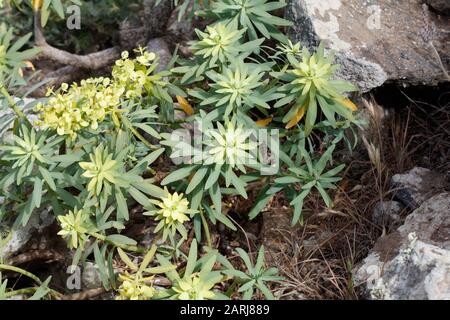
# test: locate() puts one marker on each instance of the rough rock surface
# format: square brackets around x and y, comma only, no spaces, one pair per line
[442,6]
[91,276]
[19,237]
[376,40]
[417,185]
[414,261]
[161,49]
[387,212]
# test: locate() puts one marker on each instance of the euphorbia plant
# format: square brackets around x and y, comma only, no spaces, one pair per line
[91,158]
[309,88]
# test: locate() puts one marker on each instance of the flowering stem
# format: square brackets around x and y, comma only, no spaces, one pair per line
[28,291]
[129,126]
[205,226]
[56,294]
[21,271]
[20,292]
[231,288]
[11,102]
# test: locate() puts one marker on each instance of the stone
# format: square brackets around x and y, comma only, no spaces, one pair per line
[431,221]
[182,27]
[417,185]
[91,276]
[387,212]
[160,47]
[441,6]
[414,261]
[150,23]
[376,41]
[19,237]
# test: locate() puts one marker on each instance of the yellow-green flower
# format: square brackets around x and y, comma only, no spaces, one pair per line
[239,86]
[79,106]
[87,105]
[127,77]
[219,42]
[193,288]
[290,48]
[134,287]
[173,212]
[198,278]
[173,208]
[229,146]
[135,76]
[310,85]
[75,227]
[125,55]
[145,58]
[102,171]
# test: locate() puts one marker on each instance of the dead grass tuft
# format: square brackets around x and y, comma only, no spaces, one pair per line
[317,259]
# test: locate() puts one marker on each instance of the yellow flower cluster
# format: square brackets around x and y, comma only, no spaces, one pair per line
[102,171]
[75,227]
[80,106]
[134,288]
[192,288]
[132,75]
[74,108]
[173,209]
[171,212]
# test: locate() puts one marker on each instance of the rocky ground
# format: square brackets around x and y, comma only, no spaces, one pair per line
[388,234]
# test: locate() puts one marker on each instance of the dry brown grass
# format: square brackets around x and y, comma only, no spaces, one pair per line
[320,255]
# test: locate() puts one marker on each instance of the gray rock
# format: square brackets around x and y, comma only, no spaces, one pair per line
[431,221]
[387,212]
[414,261]
[91,276]
[375,40]
[442,6]
[417,185]
[19,237]
[366,74]
[182,29]
[161,49]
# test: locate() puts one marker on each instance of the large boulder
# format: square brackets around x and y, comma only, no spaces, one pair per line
[414,261]
[376,41]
